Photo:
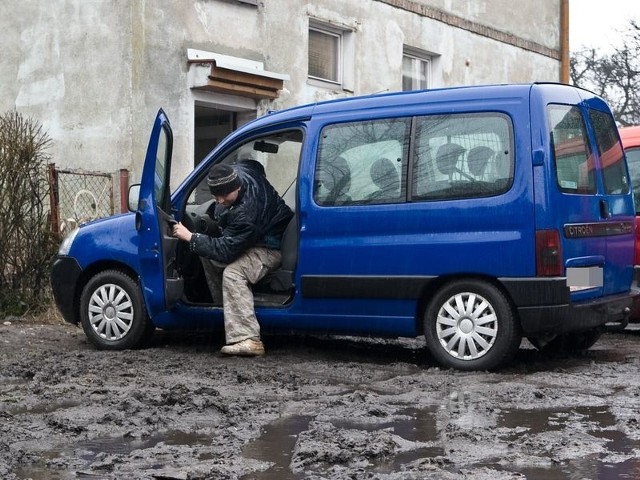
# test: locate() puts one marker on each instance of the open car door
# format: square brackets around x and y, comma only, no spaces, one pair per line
[161,282]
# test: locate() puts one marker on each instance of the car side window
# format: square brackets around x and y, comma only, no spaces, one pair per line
[462,156]
[574,163]
[163,163]
[362,163]
[279,155]
[614,174]
[633,161]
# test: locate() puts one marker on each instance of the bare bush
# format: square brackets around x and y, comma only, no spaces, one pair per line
[26,241]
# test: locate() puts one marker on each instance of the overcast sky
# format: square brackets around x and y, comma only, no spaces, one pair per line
[597,23]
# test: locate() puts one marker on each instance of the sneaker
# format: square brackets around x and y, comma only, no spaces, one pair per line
[245,348]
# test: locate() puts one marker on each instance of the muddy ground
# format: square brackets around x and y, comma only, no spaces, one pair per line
[313,408]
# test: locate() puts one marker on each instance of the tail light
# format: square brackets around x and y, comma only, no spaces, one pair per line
[548,254]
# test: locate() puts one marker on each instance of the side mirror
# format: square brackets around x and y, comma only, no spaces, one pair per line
[134,196]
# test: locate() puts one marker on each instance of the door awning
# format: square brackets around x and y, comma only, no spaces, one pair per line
[232,75]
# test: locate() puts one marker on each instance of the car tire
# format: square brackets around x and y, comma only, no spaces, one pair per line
[112,312]
[470,325]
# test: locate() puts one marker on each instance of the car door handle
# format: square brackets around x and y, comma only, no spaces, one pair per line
[604,209]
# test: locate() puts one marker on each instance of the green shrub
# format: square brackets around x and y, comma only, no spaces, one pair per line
[27,243]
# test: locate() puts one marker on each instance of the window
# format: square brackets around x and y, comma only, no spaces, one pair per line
[324,55]
[573,158]
[633,160]
[416,70]
[614,174]
[330,56]
[162,167]
[362,163]
[462,156]
[279,155]
[454,157]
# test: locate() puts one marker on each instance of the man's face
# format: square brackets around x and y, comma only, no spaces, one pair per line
[228,199]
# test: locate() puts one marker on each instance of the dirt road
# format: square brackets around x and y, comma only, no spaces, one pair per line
[313,408]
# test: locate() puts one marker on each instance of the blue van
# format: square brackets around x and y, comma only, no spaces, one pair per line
[473,216]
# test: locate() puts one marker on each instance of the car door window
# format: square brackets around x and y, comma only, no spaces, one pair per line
[362,163]
[614,174]
[163,157]
[279,155]
[574,163]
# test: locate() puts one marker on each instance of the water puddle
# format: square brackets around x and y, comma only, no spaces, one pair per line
[278,441]
[598,422]
[279,438]
[89,450]
[418,425]
[276,445]
[41,408]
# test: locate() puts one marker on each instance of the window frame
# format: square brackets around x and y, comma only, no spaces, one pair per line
[419,60]
[345,51]
[359,174]
[557,147]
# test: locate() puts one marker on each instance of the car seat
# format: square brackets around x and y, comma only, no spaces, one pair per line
[384,176]
[477,160]
[447,158]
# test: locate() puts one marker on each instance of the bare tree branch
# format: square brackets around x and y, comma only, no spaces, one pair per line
[615,77]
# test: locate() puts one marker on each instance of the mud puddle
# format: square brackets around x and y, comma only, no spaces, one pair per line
[87,455]
[321,409]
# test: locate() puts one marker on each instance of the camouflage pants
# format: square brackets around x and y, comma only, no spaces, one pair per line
[230,285]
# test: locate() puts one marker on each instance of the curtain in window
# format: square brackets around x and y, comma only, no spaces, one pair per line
[323,55]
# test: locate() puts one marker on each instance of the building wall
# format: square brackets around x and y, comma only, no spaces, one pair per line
[95,72]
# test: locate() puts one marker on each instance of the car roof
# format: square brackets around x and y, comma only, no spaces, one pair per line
[630,136]
[403,99]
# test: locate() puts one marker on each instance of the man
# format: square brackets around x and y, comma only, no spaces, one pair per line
[251,217]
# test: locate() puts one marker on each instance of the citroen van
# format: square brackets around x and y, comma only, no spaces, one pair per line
[472,216]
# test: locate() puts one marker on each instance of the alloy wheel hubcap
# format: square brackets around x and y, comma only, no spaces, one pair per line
[111,312]
[467,326]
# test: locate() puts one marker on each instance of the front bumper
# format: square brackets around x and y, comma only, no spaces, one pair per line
[65,273]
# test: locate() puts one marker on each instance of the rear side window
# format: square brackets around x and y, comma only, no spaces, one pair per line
[633,160]
[574,163]
[614,174]
[362,163]
[462,156]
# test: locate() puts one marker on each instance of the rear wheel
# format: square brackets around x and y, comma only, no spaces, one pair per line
[470,325]
[112,312]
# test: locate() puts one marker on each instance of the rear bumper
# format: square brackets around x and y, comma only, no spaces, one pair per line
[65,273]
[559,319]
[560,315]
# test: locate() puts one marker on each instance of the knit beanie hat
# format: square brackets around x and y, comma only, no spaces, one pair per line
[222,180]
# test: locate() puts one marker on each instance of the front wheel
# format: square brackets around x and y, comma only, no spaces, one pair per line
[470,325]
[113,313]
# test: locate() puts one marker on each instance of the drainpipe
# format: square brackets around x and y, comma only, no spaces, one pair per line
[124,190]
[564,41]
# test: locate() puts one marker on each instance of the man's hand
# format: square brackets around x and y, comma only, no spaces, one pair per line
[181,232]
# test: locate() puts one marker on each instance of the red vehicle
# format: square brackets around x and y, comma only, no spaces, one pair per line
[630,137]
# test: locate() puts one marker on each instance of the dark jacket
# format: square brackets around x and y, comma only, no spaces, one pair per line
[257,218]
